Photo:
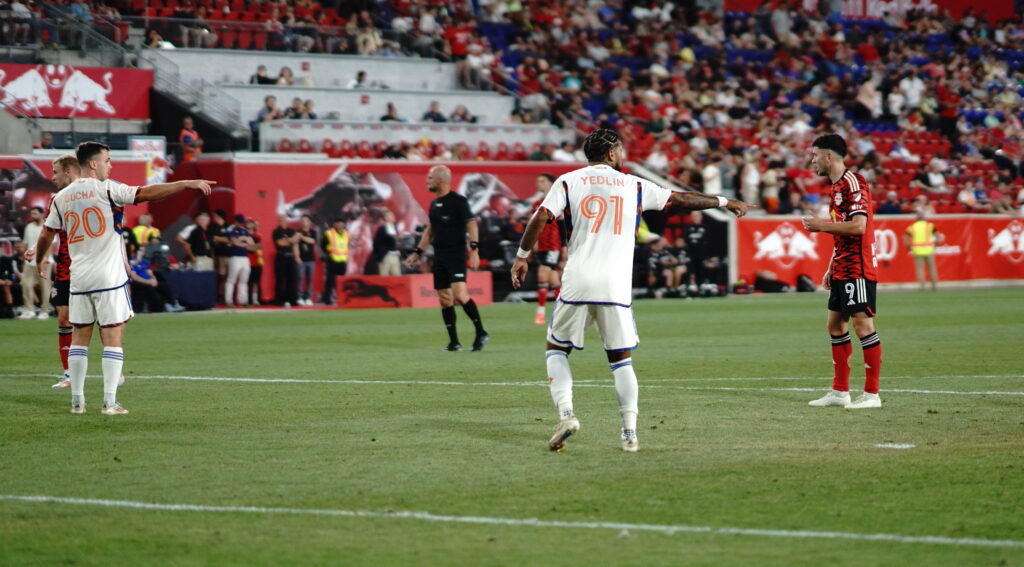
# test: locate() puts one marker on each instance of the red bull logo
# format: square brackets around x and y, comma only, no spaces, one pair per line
[786,245]
[1009,242]
[33,91]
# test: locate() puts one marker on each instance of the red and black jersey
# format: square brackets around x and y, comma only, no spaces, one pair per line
[854,256]
[550,239]
[62,269]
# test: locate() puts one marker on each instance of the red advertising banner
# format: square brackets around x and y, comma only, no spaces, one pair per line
[62,91]
[416,290]
[974,247]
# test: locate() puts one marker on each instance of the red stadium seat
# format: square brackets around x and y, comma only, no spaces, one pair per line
[259,39]
[228,37]
[345,149]
[439,149]
[364,150]
[244,39]
[305,146]
[327,146]
[502,153]
[483,151]
[380,148]
[519,152]
[286,146]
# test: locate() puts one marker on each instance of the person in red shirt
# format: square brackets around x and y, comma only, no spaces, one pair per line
[548,253]
[457,40]
[851,277]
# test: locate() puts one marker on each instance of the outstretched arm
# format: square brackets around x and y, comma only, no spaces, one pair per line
[540,218]
[164,190]
[698,201]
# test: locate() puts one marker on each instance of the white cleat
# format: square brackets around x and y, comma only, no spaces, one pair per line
[43,315]
[78,409]
[115,409]
[630,444]
[563,430]
[865,401]
[26,315]
[832,398]
[63,382]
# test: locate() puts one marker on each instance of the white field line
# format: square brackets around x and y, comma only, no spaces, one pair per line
[667,529]
[524,384]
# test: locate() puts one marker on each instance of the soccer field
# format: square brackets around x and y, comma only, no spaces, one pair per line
[349,438]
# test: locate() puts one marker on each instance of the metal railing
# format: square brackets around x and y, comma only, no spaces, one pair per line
[83,37]
[204,97]
[32,122]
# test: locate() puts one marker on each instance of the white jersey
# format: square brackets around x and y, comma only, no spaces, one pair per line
[602,208]
[91,212]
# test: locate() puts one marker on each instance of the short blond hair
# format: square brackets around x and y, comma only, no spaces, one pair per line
[68,161]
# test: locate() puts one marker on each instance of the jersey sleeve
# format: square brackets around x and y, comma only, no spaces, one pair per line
[120,193]
[654,197]
[554,202]
[859,197]
[464,212]
[53,219]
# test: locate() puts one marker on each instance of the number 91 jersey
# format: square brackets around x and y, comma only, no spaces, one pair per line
[91,212]
[602,207]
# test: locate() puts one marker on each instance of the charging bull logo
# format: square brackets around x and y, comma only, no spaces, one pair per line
[1009,242]
[786,245]
[35,89]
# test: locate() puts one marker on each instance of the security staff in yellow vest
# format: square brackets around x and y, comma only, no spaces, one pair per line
[335,246]
[921,238]
[144,231]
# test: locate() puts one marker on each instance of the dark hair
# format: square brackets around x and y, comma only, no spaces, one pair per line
[40,209]
[220,213]
[201,213]
[833,142]
[338,219]
[548,176]
[89,150]
[599,143]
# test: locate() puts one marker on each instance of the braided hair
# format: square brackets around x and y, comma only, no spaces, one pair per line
[599,143]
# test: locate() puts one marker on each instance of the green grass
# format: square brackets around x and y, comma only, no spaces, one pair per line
[752,456]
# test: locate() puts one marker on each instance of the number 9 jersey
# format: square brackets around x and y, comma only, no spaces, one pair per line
[602,207]
[91,212]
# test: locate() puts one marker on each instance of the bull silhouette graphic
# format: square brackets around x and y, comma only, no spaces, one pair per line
[358,289]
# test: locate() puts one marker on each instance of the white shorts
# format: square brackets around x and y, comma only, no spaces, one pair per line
[615,325]
[108,308]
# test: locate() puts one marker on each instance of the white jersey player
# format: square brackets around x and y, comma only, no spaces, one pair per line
[602,208]
[90,211]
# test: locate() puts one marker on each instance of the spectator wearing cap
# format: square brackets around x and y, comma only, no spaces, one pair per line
[240,243]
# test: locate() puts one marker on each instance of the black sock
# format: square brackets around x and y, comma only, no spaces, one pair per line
[474,315]
[448,314]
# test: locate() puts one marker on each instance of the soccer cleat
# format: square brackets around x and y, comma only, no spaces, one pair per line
[563,430]
[43,315]
[865,401]
[27,314]
[78,409]
[480,341]
[538,319]
[115,409]
[630,444]
[453,347]
[62,383]
[832,398]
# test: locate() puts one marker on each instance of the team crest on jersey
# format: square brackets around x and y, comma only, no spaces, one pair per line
[838,199]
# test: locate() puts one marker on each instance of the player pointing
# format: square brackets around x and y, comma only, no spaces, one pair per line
[602,207]
[90,210]
[851,276]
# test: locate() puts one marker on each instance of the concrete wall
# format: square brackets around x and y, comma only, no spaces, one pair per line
[15,135]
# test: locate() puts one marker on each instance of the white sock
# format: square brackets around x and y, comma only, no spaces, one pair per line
[78,365]
[113,362]
[541,310]
[560,381]
[627,390]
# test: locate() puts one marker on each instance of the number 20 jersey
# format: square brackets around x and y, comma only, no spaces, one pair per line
[91,212]
[602,209]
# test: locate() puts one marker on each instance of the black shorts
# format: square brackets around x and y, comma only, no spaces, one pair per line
[60,293]
[449,268]
[255,273]
[853,296]
[548,258]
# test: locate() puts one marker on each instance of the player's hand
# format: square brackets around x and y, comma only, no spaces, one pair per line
[201,185]
[826,280]
[30,254]
[813,224]
[411,260]
[474,260]
[519,269]
[738,208]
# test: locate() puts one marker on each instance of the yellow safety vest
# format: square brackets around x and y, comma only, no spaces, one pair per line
[337,245]
[143,234]
[922,238]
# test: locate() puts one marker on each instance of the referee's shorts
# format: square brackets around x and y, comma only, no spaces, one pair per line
[449,268]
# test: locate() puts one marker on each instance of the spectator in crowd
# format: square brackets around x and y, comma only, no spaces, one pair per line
[285,78]
[158,257]
[308,237]
[31,279]
[191,142]
[148,295]
[359,82]
[8,281]
[391,115]
[891,205]
[461,115]
[221,241]
[240,244]
[255,262]
[155,41]
[197,241]
[286,260]
[19,23]
[385,247]
[565,153]
[335,244]
[307,109]
[261,77]
[434,114]
[45,142]
[297,111]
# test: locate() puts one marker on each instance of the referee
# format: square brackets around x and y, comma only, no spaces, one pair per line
[450,220]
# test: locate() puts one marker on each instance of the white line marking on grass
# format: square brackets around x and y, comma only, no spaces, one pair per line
[668,529]
[531,384]
[895,445]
